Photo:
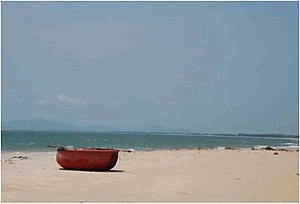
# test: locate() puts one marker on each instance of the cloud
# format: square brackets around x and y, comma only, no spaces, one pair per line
[115,103]
[109,103]
[67,100]
[44,101]
[164,102]
[64,99]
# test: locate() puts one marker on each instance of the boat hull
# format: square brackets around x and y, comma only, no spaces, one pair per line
[87,159]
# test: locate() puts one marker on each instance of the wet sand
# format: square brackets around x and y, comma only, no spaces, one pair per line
[157,176]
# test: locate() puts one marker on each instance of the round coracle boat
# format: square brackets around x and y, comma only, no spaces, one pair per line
[92,159]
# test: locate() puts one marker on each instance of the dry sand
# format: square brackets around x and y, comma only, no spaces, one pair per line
[157,176]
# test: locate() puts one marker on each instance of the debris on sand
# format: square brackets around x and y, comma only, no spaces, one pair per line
[281,149]
[276,153]
[18,158]
[268,148]
[230,148]
[271,148]
[15,158]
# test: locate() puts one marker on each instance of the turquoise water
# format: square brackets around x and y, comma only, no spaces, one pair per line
[38,140]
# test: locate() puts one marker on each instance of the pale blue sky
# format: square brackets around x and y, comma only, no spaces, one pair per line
[223,67]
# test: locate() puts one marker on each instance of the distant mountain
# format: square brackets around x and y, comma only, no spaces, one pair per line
[100,128]
[42,124]
[36,124]
[161,129]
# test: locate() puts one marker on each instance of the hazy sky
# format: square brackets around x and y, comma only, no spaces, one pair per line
[206,66]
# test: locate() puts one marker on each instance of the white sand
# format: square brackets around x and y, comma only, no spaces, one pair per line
[157,176]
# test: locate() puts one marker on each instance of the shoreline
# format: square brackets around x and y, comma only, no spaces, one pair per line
[182,175]
[255,148]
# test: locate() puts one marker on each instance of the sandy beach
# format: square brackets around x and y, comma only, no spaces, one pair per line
[157,176]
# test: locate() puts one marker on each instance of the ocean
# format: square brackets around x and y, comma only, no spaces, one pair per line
[12,140]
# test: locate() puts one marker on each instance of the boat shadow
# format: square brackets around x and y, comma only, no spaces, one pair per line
[107,171]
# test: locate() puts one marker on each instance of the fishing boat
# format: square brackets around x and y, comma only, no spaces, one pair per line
[91,159]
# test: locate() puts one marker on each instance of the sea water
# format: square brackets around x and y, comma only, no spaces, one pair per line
[38,140]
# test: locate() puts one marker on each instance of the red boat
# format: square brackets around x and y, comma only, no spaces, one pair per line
[92,159]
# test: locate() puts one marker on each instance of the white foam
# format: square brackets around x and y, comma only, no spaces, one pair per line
[260,146]
[290,144]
